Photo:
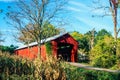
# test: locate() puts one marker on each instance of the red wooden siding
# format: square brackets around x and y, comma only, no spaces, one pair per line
[33,51]
[67,39]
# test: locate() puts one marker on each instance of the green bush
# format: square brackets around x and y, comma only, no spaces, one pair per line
[9,49]
[75,73]
[117,65]
[103,54]
[118,48]
[104,60]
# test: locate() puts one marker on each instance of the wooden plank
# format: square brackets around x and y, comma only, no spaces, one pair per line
[93,68]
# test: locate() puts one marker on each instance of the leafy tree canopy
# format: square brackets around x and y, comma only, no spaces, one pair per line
[9,49]
[26,36]
[100,35]
[82,39]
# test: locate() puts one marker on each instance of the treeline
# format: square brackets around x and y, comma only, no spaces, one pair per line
[10,49]
[98,48]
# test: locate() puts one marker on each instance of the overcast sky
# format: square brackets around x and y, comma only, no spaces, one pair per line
[80,17]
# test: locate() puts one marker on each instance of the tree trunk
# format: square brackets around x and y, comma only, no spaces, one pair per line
[115,28]
[39,49]
[28,47]
[92,38]
[115,31]
[113,9]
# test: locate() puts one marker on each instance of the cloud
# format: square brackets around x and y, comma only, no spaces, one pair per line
[83,13]
[79,5]
[74,9]
[91,23]
[82,7]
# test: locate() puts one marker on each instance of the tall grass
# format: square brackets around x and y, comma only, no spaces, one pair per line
[14,67]
[50,69]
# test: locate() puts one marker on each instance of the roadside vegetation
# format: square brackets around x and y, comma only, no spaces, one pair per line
[15,68]
[98,49]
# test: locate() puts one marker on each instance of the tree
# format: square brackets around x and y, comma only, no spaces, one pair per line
[83,46]
[82,40]
[114,5]
[113,8]
[36,13]
[24,37]
[9,49]
[118,48]
[91,37]
[103,54]
[100,34]
[48,31]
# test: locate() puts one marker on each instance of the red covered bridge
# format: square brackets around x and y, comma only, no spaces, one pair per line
[63,44]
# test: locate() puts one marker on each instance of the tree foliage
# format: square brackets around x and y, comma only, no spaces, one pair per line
[47,31]
[91,38]
[110,9]
[10,49]
[48,46]
[82,40]
[118,48]
[100,34]
[36,13]
[103,54]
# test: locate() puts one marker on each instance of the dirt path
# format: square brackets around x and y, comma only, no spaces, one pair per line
[93,68]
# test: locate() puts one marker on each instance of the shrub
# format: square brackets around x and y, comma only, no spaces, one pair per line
[117,65]
[104,60]
[103,54]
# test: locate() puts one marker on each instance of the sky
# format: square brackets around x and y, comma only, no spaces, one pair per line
[83,17]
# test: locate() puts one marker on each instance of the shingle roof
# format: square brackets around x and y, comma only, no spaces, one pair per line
[42,41]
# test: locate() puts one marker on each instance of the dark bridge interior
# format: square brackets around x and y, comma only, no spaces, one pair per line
[64,51]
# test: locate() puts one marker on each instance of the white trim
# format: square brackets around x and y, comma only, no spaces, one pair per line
[42,41]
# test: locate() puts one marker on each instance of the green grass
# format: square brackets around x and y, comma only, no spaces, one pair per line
[75,73]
